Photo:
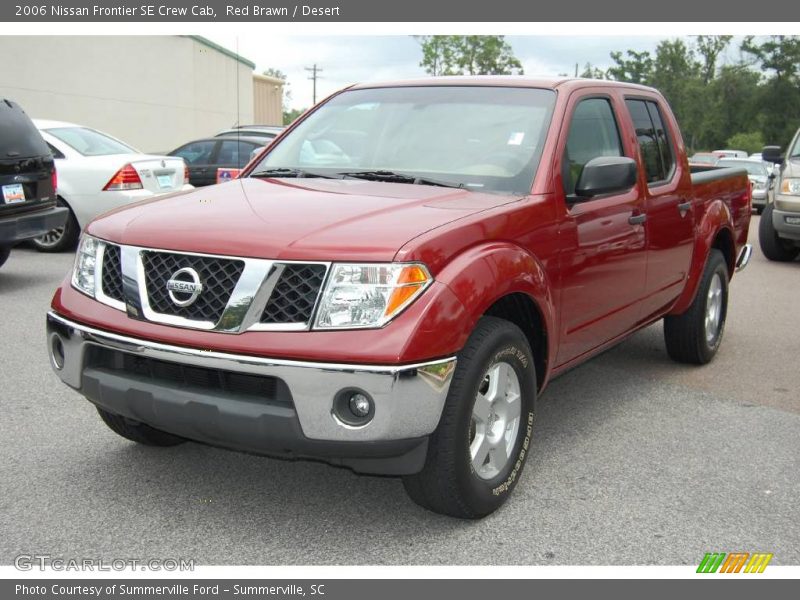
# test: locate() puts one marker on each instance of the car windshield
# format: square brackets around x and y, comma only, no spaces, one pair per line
[795,151]
[90,142]
[479,138]
[753,168]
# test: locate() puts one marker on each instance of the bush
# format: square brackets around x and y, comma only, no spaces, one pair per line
[749,142]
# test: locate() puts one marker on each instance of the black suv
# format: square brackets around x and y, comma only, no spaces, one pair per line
[27,181]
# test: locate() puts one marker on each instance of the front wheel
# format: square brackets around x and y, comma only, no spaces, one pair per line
[773,247]
[5,251]
[694,336]
[477,453]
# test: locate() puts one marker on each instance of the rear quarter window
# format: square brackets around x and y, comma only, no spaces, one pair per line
[655,144]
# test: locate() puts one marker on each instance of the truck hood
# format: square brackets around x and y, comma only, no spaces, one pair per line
[293,219]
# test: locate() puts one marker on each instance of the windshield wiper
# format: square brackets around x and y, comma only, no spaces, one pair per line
[284,172]
[392,177]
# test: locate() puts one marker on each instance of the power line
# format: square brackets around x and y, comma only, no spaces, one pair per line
[315,71]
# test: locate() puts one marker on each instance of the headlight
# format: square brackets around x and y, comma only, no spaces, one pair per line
[85,261]
[369,295]
[790,186]
[759,185]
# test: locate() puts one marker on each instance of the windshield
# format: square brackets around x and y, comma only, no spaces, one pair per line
[480,138]
[90,142]
[753,168]
[795,151]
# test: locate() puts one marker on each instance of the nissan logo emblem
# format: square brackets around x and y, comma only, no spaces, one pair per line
[184,287]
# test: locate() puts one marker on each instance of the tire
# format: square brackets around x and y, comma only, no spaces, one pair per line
[690,337]
[773,247]
[759,209]
[450,484]
[61,238]
[5,251]
[138,432]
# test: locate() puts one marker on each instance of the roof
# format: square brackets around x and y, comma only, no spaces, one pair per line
[234,55]
[504,81]
[242,138]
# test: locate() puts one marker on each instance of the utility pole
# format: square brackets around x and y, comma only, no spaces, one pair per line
[314,76]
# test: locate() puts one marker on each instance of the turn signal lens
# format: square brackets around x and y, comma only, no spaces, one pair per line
[790,186]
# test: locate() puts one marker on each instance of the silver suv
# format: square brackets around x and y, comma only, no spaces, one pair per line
[779,230]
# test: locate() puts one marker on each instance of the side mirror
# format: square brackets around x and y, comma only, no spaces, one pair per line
[606,175]
[772,154]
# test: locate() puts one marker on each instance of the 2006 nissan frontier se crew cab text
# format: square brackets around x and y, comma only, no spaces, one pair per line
[395,279]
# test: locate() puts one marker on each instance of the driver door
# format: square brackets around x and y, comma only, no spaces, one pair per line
[603,244]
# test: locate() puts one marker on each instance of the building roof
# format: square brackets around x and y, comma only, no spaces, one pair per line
[208,43]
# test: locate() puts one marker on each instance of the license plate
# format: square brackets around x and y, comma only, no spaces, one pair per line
[164,181]
[793,220]
[13,194]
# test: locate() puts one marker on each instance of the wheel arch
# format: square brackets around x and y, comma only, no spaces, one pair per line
[504,280]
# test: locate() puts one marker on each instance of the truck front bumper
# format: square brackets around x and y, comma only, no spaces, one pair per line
[25,226]
[787,223]
[255,404]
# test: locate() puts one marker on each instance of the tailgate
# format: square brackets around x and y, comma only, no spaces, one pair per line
[160,174]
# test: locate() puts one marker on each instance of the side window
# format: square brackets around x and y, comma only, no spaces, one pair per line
[657,154]
[664,143]
[55,151]
[593,132]
[196,153]
[229,153]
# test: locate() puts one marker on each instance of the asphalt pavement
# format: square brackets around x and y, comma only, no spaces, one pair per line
[636,460]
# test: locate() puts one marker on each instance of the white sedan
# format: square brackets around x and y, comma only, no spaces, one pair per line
[97,173]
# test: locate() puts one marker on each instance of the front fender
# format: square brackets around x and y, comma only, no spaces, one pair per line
[483,274]
[717,218]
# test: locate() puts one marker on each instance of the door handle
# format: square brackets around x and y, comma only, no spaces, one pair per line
[684,207]
[637,219]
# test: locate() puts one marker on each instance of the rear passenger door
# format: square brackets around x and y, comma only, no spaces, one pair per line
[602,238]
[670,215]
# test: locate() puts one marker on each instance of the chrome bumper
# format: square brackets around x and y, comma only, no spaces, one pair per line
[408,399]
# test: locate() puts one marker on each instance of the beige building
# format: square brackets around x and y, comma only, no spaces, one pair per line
[153,92]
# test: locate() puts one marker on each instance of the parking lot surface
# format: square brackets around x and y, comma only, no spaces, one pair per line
[636,460]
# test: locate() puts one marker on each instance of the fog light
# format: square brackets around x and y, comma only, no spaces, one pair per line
[353,407]
[57,352]
[359,405]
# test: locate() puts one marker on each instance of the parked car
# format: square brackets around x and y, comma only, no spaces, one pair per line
[98,173]
[28,181]
[730,153]
[268,132]
[779,228]
[391,286]
[205,156]
[760,175]
[704,159]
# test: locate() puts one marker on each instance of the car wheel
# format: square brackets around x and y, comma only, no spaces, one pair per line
[60,238]
[477,453]
[4,252]
[694,336]
[773,247]
[759,209]
[138,432]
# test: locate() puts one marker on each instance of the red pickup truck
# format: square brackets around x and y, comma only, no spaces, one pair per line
[392,283]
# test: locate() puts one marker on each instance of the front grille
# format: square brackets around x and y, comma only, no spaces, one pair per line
[218,276]
[112,273]
[258,388]
[295,294]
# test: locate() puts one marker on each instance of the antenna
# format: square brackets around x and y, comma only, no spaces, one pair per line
[315,70]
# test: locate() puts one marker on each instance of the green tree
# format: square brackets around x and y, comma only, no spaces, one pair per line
[592,72]
[468,55]
[290,115]
[750,142]
[637,68]
[709,47]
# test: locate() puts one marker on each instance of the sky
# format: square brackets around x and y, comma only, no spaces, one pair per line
[350,59]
